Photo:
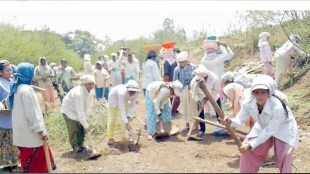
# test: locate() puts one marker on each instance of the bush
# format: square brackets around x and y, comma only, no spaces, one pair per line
[18,45]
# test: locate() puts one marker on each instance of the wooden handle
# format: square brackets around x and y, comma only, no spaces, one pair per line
[47,157]
[194,125]
[36,87]
[218,125]
[219,112]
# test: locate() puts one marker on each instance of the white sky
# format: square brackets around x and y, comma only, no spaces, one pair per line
[131,19]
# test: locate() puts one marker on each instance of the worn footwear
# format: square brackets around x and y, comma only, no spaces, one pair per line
[78,149]
[200,134]
[111,142]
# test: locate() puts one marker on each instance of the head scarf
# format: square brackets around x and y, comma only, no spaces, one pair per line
[264,81]
[45,68]
[151,54]
[201,71]
[262,38]
[23,75]
[234,93]
[177,87]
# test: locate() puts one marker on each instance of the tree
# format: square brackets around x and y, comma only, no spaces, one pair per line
[83,42]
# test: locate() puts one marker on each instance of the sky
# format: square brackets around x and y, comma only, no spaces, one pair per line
[132,19]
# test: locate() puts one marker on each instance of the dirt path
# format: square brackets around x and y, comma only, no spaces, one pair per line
[174,154]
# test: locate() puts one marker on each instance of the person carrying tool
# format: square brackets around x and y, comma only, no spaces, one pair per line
[212,84]
[265,53]
[158,106]
[184,73]
[119,106]
[275,125]
[28,123]
[75,109]
[284,55]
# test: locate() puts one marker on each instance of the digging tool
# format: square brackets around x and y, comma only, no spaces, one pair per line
[134,140]
[190,135]
[47,156]
[94,154]
[38,88]
[217,125]
[219,112]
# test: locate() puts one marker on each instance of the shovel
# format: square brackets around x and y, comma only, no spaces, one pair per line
[94,154]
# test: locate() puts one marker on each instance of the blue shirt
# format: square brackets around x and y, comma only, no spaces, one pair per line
[184,74]
[5,119]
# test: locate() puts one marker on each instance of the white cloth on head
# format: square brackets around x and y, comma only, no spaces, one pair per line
[201,71]
[119,98]
[77,104]
[87,57]
[182,56]
[177,87]
[262,38]
[87,79]
[27,118]
[132,85]
[150,73]
[159,94]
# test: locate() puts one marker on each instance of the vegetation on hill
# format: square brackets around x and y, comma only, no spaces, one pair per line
[20,45]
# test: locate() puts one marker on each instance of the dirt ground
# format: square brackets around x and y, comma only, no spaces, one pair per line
[174,154]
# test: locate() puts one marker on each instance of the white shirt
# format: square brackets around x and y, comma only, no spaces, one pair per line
[216,64]
[265,52]
[212,85]
[119,97]
[271,122]
[27,118]
[114,65]
[131,69]
[101,77]
[77,104]
[162,98]
[150,73]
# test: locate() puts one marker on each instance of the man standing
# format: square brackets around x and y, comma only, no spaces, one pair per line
[115,69]
[184,73]
[65,75]
[132,68]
